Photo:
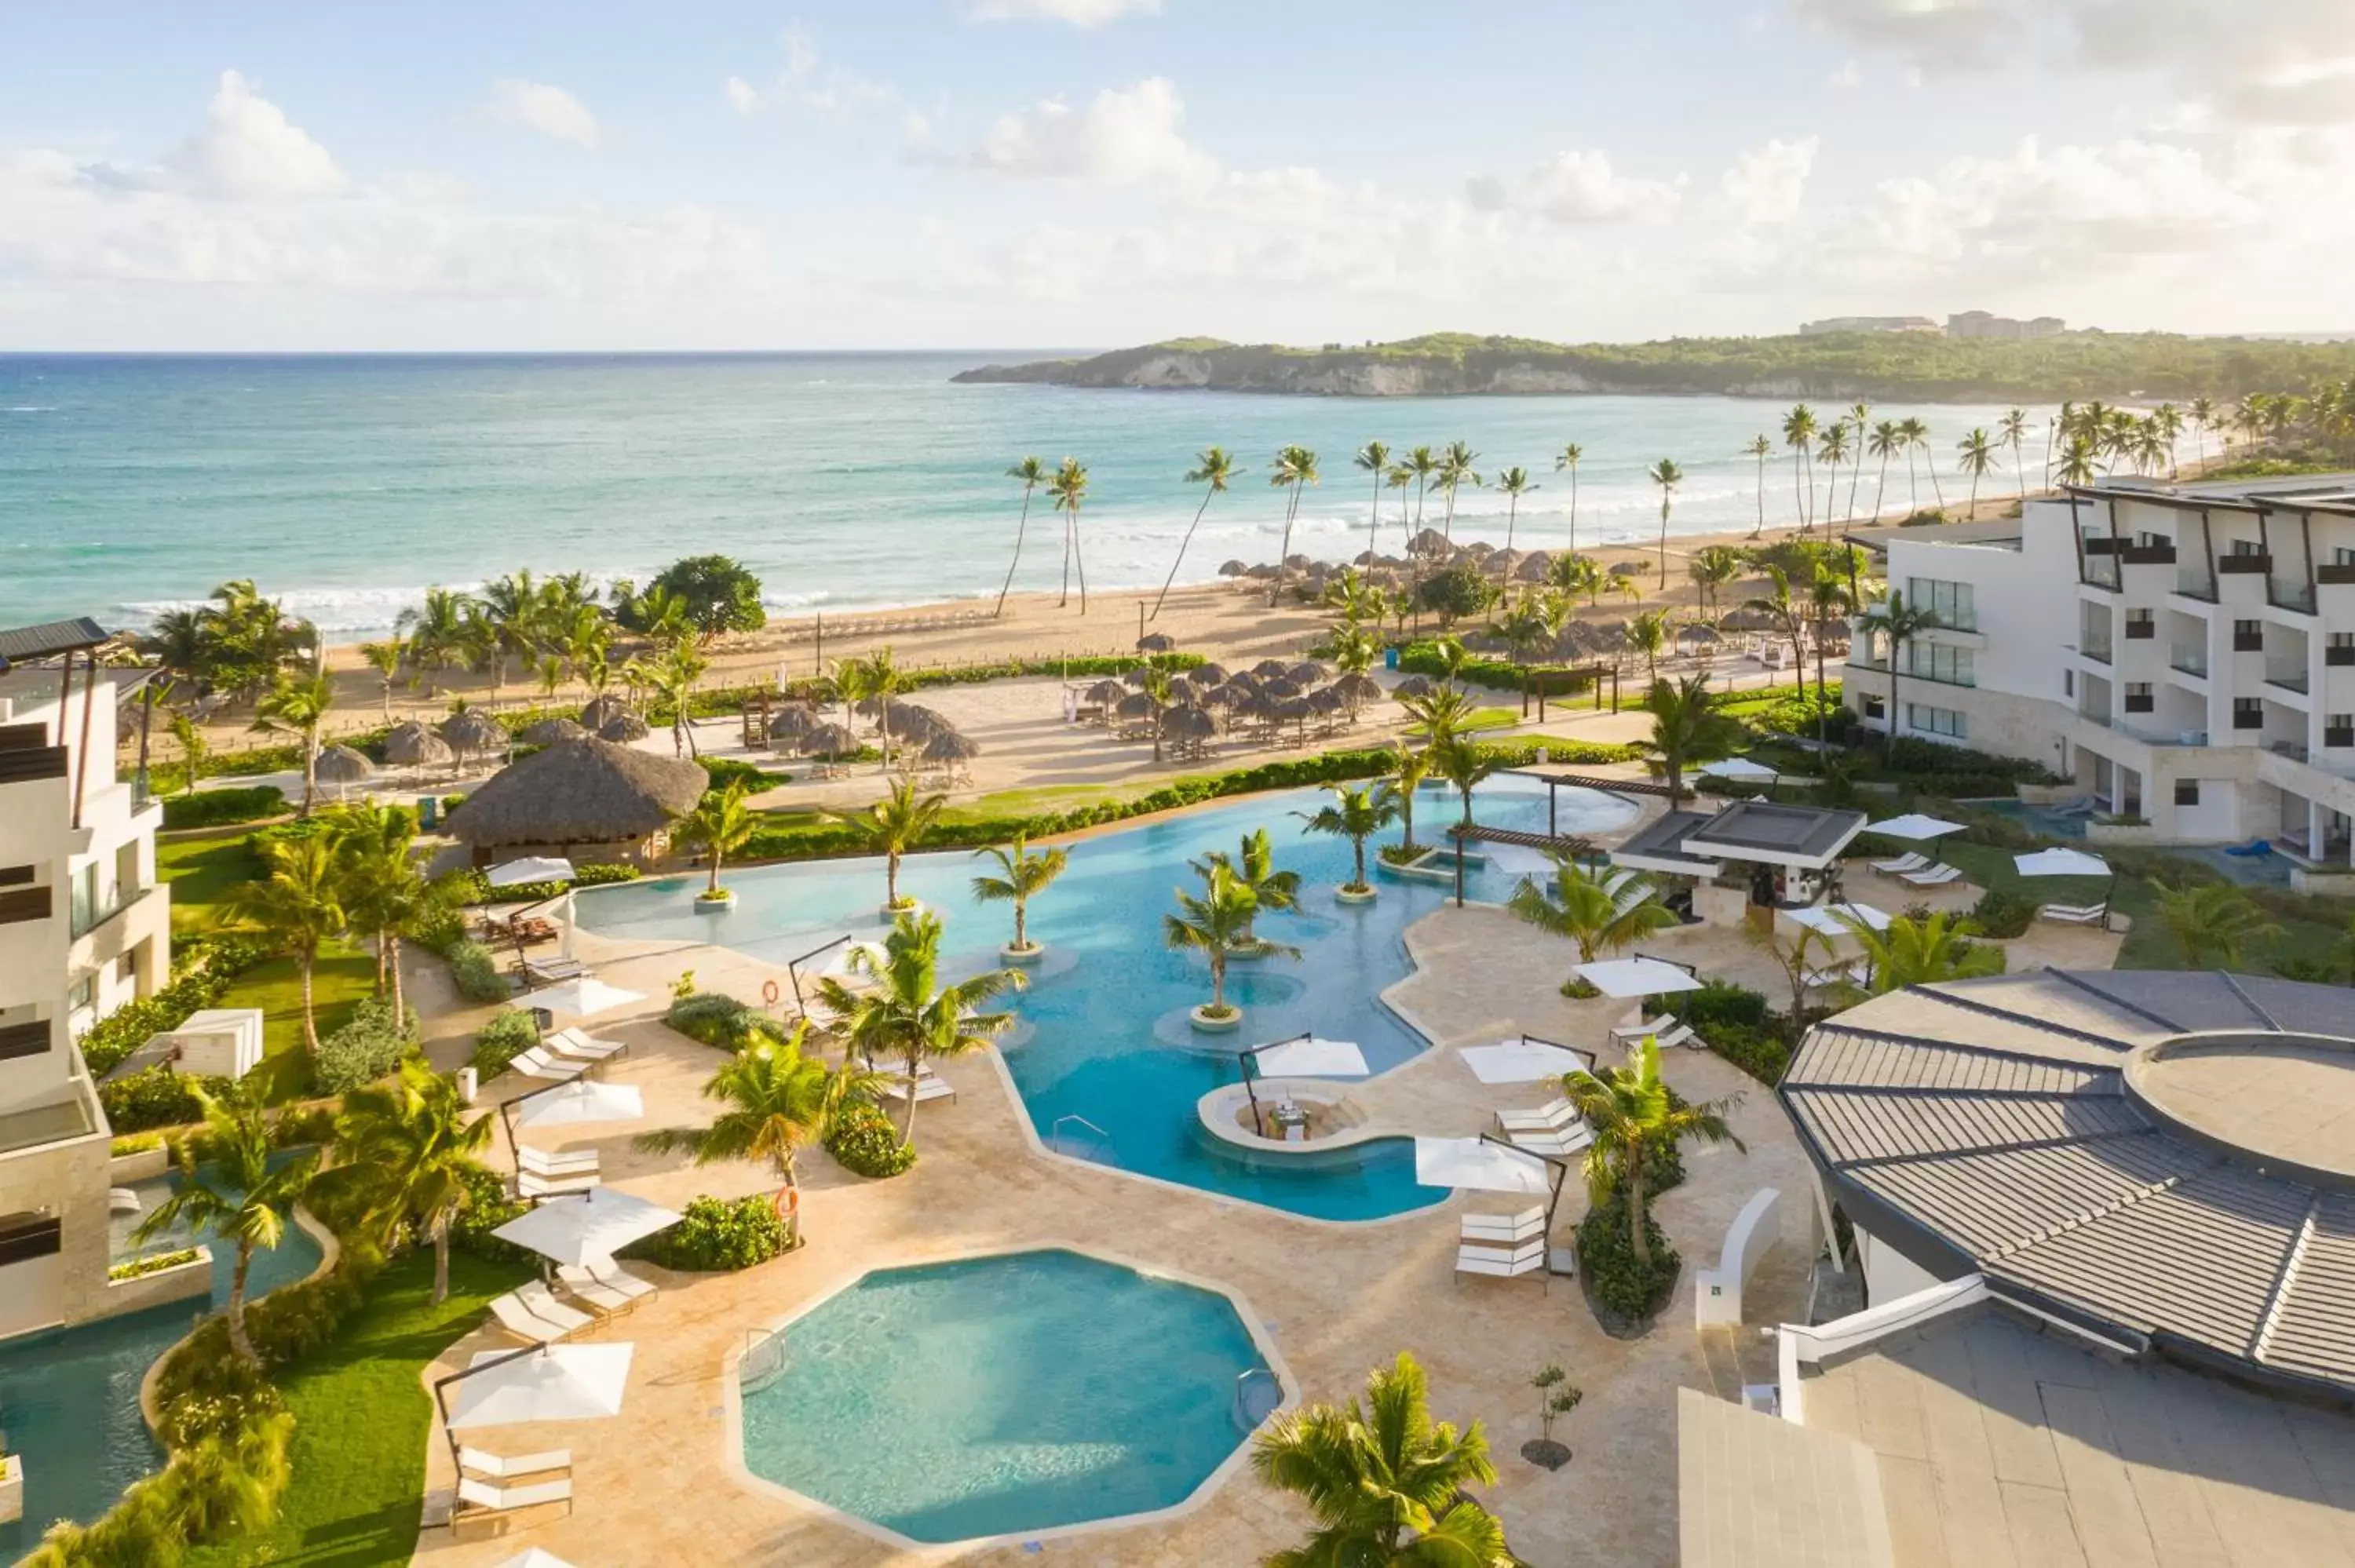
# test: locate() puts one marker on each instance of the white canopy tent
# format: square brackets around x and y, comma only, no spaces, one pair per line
[1914,825]
[590,1227]
[580,1102]
[1825,918]
[535,868]
[1740,769]
[553,1382]
[1311,1057]
[1636,977]
[2058,861]
[1479,1165]
[1522,1061]
[578,998]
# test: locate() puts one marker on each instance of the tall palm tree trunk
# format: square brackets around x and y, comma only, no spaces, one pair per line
[441,1257]
[908,1124]
[400,1005]
[1066,597]
[1574,509]
[303,963]
[1636,1230]
[1020,529]
[239,1342]
[1189,539]
[1881,489]
[1080,558]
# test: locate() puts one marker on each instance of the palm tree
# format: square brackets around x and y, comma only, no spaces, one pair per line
[908,1013]
[295,907]
[1215,467]
[893,827]
[1899,624]
[385,658]
[1255,867]
[1976,453]
[1295,466]
[1832,450]
[1631,1116]
[300,707]
[1647,634]
[2212,923]
[511,610]
[874,679]
[2203,419]
[1885,442]
[1515,483]
[1385,1482]
[241,1192]
[1413,768]
[1218,925]
[2012,432]
[1021,877]
[189,737]
[407,1150]
[721,823]
[1687,728]
[1799,435]
[1398,477]
[1599,912]
[1827,596]
[1422,463]
[1926,952]
[1787,613]
[1464,763]
[1568,459]
[1374,458]
[383,888]
[1920,433]
[1761,448]
[1032,473]
[1355,814]
[1577,574]
[1668,476]
[2077,462]
[1711,568]
[672,681]
[1068,489]
[1456,469]
[1860,415]
[778,1102]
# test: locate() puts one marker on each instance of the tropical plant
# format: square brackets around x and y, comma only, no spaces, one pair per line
[386,659]
[406,1152]
[1218,925]
[1254,866]
[1578,574]
[1976,453]
[1374,458]
[241,1192]
[2078,462]
[1799,434]
[1032,473]
[295,905]
[1898,624]
[1634,1117]
[1688,727]
[1827,596]
[908,1014]
[1295,468]
[1711,568]
[300,707]
[1399,788]
[778,1102]
[1069,490]
[1668,476]
[672,679]
[1885,442]
[1456,470]
[893,828]
[874,679]
[721,824]
[189,737]
[2012,431]
[1357,814]
[1385,1482]
[1761,448]
[1599,911]
[1924,951]
[1859,417]
[1515,483]
[1568,459]
[1647,633]
[1832,451]
[2212,923]
[1789,617]
[716,594]
[1021,876]
[382,887]
[1214,469]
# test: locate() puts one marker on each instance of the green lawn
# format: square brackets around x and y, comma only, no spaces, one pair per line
[341,978]
[202,868]
[361,1420]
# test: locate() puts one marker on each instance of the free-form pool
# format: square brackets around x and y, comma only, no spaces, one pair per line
[1001,1395]
[1104,1060]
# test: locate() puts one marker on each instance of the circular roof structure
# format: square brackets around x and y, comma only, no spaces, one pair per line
[2165,1158]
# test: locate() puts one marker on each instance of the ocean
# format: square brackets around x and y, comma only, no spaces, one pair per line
[344,484]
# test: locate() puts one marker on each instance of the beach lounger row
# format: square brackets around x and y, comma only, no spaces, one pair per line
[1935,875]
[1902,865]
[542,1174]
[1506,1230]
[565,1055]
[1502,1262]
[605,1287]
[929,1085]
[1666,1029]
[532,1312]
[2075,914]
[489,1485]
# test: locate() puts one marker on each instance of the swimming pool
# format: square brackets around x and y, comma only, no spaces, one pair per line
[70,1397]
[1002,1395]
[1104,1061]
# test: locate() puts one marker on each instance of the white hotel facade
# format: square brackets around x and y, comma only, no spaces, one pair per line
[2185,654]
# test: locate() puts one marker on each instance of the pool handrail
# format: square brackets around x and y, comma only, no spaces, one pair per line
[1055,1133]
[1242,1382]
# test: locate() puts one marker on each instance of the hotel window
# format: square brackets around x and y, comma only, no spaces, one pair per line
[1921,716]
[2246,547]
[2248,712]
[2339,648]
[1937,661]
[2140,624]
[2342,556]
[2187,791]
[84,888]
[2339,729]
[1951,602]
[84,993]
[2138,697]
[2248,636]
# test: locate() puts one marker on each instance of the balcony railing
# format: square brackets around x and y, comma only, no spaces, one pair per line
[2148,734]
[2294,749]
[2290,678]
[2337,653]
[2194,582]
[2335,572]
[2255,563]
[2189,661]
[2147,554]
[85,921]
[2096,650]
[2289,594]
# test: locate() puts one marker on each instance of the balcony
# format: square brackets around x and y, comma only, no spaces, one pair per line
[85,921]
[2339,655]
[2338,738]
[2096,648]
[2288,594]
[24,764]
[2147,554]
[2188,660]
[2255,563]
[2289,678]
[2194,582]
[2147,734]
[2293,749]
[2141,631]
[20,904]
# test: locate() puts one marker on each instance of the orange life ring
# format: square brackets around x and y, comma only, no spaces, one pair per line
[788,1204]
[769,993]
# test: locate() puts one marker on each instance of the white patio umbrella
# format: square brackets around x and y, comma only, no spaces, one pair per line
[1741,768]
[578,998]
[2057,862]
[1825,918]
[580,1101]
[537,1557]
[554,1382]
[1914,825]
[1313,1057]
[1521,1061]
[1480,1166]
[594,1224]
[531,868]
[1636,977]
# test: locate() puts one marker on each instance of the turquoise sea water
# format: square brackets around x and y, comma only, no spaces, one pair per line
[996,1395]
[1107,1063]
[347,483]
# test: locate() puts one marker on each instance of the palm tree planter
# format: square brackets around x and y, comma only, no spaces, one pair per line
[1022,876]
[1218,925]
[722,824]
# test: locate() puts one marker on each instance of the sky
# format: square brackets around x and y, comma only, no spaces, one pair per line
[598,175]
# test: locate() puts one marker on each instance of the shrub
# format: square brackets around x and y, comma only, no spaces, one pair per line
[137,1143]
[501,1040]
[1906,755]
[475,972]
[440,930]
[716,1235]
[718,1019]
[1722,1002]
[370,1044]
[153,1263]
[720,595]
[487,1207]
[726,770]
[865,1143]
[2003,913]
[1606,1258]
[153,1097]
[1454,593]
[222,808]
[1758,1050]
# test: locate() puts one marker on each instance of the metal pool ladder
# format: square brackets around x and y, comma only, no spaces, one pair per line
[763,1361]
[1251,1409]
[1108,1151]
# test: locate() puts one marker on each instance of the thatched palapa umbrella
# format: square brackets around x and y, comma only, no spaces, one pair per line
[1233,569]
[1188,724]
[1135,705]
[580,792]
[949,746]
[1307,672]
[547,732]
[413,745]
[830,740]
[1412,686]
[1270,669]
[343,768]
[1156,642]
[471,730]
[1207,675]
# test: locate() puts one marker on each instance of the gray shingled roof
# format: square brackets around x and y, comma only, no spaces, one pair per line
[1988,1126]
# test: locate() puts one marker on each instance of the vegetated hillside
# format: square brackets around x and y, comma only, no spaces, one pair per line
[1919,367]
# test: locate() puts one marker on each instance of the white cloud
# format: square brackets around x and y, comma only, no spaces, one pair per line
[1577,187]
[245,150]
[1077,13]
[807,83]
[742,96]
[1765,185]
[1931,36]
[1850,75]
[547,110]
[1131,136]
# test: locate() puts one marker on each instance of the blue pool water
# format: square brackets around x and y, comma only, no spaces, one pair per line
[70,1397]
[997,1395]
[1107,1063]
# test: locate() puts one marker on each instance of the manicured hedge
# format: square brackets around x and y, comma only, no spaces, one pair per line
[1606,1257]
[716,1235]
[128,1027]
[865,1144]
[223,808]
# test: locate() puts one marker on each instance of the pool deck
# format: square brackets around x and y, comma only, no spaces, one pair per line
[655,1484]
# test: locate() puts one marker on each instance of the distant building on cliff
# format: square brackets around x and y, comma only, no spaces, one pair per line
[1830,324]
[1980,324]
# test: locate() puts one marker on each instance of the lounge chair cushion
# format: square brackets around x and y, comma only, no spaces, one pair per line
[478,1462]
[531,1184]
[527,1320]
[1902,865]
[1501,1262]
[557,1161]
[539,1063]
[1556,1114]
[1511,1229]
[609,1274]
[574,1042]
[1934,876]
[489,1497]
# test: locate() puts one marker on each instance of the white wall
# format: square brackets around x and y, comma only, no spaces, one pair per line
[1888,1273]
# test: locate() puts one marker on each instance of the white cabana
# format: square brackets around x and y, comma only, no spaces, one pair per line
[554,1382]
[530,869]
[1522,1061]
[1636,977]
[2059,862]
[578,998]
[593,1225]
[1825,918]
[1739,769]
[582,1101]
[1478,1165]
[1914,825]
[1312,1057]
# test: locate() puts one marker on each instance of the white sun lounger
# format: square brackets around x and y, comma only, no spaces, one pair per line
[1508,1230]
[612,1276]
[557,1161]
[581,1047]
[477,1462]
[2075,914]
[1561,1145]
[1933,876]
[1666,1029]
[540,1063]
[477,1498]
[929,1086]
[530,1186]
[1912,859]
[602,1299]
[542,1318]
[1502,1262]
[1551,1117]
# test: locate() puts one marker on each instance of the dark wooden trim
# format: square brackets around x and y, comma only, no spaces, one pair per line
[21,1040]
[29,1237]
[22,904]
[2334,572]
[25,764]
[2245,566]
[2147,554]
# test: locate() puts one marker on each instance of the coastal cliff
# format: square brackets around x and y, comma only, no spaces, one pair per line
[1876,366]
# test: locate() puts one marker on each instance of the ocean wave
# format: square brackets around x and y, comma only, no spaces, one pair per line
[31,408]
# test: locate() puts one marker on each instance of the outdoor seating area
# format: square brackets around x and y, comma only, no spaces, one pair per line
[1190,714]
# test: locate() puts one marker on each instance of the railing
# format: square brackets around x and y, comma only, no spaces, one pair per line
[2194,582]
[2189,661]
[2290,594]
[2335,572]
[763,1361]
[84,921]
[1105,1141]
[2096,650]
[2289,678]
[2296,750]
[1244,1418]
[2252,564]
[20,904]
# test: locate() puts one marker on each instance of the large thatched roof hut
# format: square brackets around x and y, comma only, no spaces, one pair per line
[584,791]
